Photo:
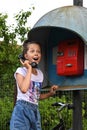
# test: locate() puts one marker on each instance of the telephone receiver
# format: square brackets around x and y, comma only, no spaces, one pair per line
[33,64]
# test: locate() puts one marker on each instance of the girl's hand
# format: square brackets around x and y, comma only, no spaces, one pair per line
[26,64]
[53,89]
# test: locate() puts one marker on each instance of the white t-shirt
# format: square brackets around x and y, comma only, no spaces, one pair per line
[33,93]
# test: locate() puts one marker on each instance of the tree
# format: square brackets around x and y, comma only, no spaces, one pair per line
[21,28]
[9,49]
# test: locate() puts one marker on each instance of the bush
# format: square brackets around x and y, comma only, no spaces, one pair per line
[49,115]
[6,107]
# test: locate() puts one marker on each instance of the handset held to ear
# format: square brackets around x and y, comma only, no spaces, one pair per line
[20,56]
[33,64]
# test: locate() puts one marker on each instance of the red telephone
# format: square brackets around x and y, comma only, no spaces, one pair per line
[70,58]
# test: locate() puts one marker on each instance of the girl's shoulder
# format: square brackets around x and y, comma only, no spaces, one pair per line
[21,70]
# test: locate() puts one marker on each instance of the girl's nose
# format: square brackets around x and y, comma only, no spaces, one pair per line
[36,53]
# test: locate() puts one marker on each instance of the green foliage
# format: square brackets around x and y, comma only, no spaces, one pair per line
[84,114]
[7,87]
[8,59]
[5,112]
[3,26]
[5,31]
[22,19]
[6,102]
[49,114]
[84,121]
[9,50]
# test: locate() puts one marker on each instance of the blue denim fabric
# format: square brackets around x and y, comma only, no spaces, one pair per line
[25,116]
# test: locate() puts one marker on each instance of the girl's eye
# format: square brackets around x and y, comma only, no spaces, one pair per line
[32,51]
[38,51]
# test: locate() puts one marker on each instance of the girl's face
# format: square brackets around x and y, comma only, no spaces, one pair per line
[34,53]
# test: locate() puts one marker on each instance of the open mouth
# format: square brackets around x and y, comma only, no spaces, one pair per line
[35,58]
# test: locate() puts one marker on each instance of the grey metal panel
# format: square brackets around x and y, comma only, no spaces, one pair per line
[70,17]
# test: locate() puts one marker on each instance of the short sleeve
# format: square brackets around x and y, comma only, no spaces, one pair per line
[20,70]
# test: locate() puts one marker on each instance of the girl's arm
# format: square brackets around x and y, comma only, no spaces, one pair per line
[51,93]
[24,82]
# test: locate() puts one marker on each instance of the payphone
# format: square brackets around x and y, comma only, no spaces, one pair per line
[70,57]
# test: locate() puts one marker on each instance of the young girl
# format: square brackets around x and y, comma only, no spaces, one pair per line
[29,80]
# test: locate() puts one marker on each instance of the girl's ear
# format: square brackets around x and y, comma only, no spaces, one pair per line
[26,56]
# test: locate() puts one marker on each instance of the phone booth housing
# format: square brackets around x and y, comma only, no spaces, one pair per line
[70,58]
